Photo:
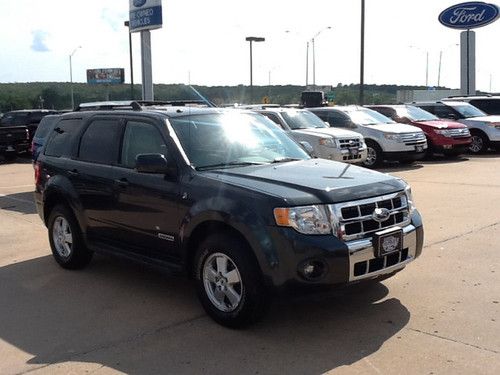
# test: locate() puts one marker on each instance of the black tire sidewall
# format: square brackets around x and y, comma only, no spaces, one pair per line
[253,300]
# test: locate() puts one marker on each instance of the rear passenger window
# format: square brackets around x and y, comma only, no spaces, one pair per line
[62,138]
[100,142]
[141,138]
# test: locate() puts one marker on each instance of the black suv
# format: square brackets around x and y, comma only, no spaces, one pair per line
[27,117]
[489,104]
[224,196]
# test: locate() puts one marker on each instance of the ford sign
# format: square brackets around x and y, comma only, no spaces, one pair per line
[469,15]
[139,3]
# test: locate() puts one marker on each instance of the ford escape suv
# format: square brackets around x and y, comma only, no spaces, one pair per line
[223,196]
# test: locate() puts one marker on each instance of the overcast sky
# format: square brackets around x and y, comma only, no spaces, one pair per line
[204,41]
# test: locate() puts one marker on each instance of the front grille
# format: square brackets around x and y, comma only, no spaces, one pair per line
[348,143]
[376,264]
[356,221]
[459,133]
[413,139]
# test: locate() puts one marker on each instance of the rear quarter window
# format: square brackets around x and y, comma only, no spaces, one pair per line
[101,142]
[62,137]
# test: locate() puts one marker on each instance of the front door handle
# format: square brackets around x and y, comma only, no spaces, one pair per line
[73,173]
[122,182]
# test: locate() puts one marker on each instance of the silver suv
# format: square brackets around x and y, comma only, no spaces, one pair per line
[328,143]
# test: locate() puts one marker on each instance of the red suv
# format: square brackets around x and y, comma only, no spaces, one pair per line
[443,136]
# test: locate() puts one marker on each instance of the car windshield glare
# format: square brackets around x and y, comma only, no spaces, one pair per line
[416,114]
[303,120]
[368,117]
[468,110]
[218,140]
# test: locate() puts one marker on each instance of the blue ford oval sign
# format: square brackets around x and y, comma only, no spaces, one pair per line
[139,3]
[469,15]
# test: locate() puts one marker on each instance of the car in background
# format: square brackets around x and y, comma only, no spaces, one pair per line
[13,140]
[484,129]
[385,139]
[443,136]
[489,104]
[327,143]
[26,117]
[41,133]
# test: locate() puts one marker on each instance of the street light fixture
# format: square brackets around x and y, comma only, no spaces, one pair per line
[252,39]
[71,75]
[127,24]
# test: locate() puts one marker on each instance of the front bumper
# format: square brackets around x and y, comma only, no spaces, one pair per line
[345,262]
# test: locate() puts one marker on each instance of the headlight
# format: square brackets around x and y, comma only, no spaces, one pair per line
[328,142]
[305,220]
[409,198]
[393,137]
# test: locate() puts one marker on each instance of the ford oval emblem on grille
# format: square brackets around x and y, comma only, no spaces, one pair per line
[381,214]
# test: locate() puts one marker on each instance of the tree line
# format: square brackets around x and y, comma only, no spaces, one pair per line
[57,95]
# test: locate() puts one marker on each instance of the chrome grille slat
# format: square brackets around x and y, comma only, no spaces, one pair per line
[363,226]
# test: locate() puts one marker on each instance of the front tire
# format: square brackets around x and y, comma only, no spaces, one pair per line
[229,282]
[66,239]
[374,155]
[479,143]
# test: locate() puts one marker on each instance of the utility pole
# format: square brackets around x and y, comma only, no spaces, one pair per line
[362,57]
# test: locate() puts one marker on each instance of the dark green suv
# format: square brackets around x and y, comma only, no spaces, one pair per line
[223,196]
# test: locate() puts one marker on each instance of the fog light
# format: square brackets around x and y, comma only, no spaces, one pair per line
[312,269]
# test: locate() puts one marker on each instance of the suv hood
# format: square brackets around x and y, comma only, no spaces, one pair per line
[395,128]
[333,132]
[442,124]
[310,181]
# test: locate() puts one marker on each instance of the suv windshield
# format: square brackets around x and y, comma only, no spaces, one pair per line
[467,110]
[233,139]
[415,114]
[368,117]
[303,120]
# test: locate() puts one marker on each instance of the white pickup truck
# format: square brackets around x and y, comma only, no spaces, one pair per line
[327,143]
[385,139]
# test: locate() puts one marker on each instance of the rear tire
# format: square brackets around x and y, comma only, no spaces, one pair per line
[66,240]
[374,155]
[229,282]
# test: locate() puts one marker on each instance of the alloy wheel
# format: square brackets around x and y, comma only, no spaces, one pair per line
[62,237]
[477,144]
[222,282]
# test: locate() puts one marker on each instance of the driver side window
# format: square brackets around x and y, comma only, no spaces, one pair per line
[141,138]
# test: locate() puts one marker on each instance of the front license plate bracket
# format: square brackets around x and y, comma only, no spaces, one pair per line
[388,241]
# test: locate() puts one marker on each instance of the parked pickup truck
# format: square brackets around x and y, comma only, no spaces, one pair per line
[223,196]
[385,139]
[327,143]
[13,140]
[448,137]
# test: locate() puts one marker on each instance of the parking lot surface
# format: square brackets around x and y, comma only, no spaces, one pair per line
[441,315]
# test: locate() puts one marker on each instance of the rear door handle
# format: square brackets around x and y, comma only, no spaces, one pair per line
[122,182]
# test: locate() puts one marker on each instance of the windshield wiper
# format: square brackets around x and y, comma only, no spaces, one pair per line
[229,164]
[284,160]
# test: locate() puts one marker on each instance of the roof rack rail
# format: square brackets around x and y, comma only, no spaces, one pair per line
[138,105]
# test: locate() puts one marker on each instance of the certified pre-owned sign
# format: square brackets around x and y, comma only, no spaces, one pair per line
[145,15]
[469,15]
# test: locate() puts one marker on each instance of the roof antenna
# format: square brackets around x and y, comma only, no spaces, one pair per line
[207,102]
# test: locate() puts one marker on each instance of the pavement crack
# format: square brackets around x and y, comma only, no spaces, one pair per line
[453,340]
[462,234]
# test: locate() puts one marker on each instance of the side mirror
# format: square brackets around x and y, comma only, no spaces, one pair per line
[327,123]
[152,163]
[307,147]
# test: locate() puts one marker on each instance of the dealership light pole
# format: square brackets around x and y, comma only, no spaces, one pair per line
[252,39]
[362,57]
[127,24]
[71,75]
[314,53]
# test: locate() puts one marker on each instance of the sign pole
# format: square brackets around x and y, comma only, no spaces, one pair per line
[147,69]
